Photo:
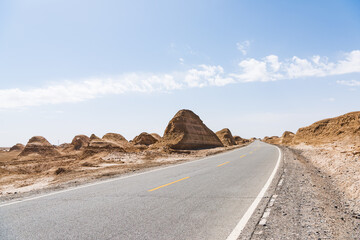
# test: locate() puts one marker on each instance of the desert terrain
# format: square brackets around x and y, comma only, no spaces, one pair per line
[317,193]
[320,193]
[39,166]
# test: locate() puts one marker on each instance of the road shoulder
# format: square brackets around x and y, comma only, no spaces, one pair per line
[307,206]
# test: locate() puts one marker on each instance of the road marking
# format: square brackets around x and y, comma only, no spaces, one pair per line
[223,164]
[242,156]
[251,152]
[167,184]
[241,224]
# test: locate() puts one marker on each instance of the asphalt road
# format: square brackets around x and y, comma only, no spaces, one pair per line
[203,199]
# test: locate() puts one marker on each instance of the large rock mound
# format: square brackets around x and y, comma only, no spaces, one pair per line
[144,139]
[40,146]
[226,137]
[343,128]
[287,138]
[17,147]
[186,131]
[80,142]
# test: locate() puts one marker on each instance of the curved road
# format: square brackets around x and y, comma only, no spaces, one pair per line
[202,199]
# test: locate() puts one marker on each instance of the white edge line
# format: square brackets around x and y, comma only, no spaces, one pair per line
[243,221]
[115,179]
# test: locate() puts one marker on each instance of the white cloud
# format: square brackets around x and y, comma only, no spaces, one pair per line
[266,69]
[331,99]
[243,46]
[207,76]
[350,83]
[270,69]
[69,91]
[181,60]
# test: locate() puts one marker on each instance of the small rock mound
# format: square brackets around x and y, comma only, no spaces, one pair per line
[186,131]
[343,128]
[272,140]
[94,137]
[17,147]
[144,139]
[114,137]
[239,140]
[226,137]
[156,136]
[40,146]
[287,138]
[80,142]
[98,145]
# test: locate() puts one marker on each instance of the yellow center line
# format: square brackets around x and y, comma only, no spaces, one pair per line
[243,156]
[250,152]
[167,184]
[223,164]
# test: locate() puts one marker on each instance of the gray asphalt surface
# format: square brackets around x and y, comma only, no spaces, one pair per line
[206,205]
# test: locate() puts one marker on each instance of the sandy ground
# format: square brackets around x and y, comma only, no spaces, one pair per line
[19,175]
[341,162]
[309,203]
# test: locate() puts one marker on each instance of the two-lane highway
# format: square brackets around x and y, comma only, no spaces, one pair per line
[202,199]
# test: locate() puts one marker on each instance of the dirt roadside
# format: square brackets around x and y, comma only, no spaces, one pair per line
[307,205]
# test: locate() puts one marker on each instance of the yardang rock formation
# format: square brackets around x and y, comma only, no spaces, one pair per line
[186,131]
[226,137]
[40,146]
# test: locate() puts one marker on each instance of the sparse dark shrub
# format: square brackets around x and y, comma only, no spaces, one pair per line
[60,170]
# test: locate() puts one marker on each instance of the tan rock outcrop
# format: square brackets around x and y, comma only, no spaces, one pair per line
[40,146]
[226,137]
[272,140]
[98,145]
[156,136]
[80,142]
[17,147]
[345,128]
[239,140]
[144,139]
[186,131]
[94,137]
[114,137]
[287,138]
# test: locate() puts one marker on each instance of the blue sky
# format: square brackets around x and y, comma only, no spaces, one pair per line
[256,67]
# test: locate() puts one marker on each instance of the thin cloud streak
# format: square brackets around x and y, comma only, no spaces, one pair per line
[243,46]
[350,83]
